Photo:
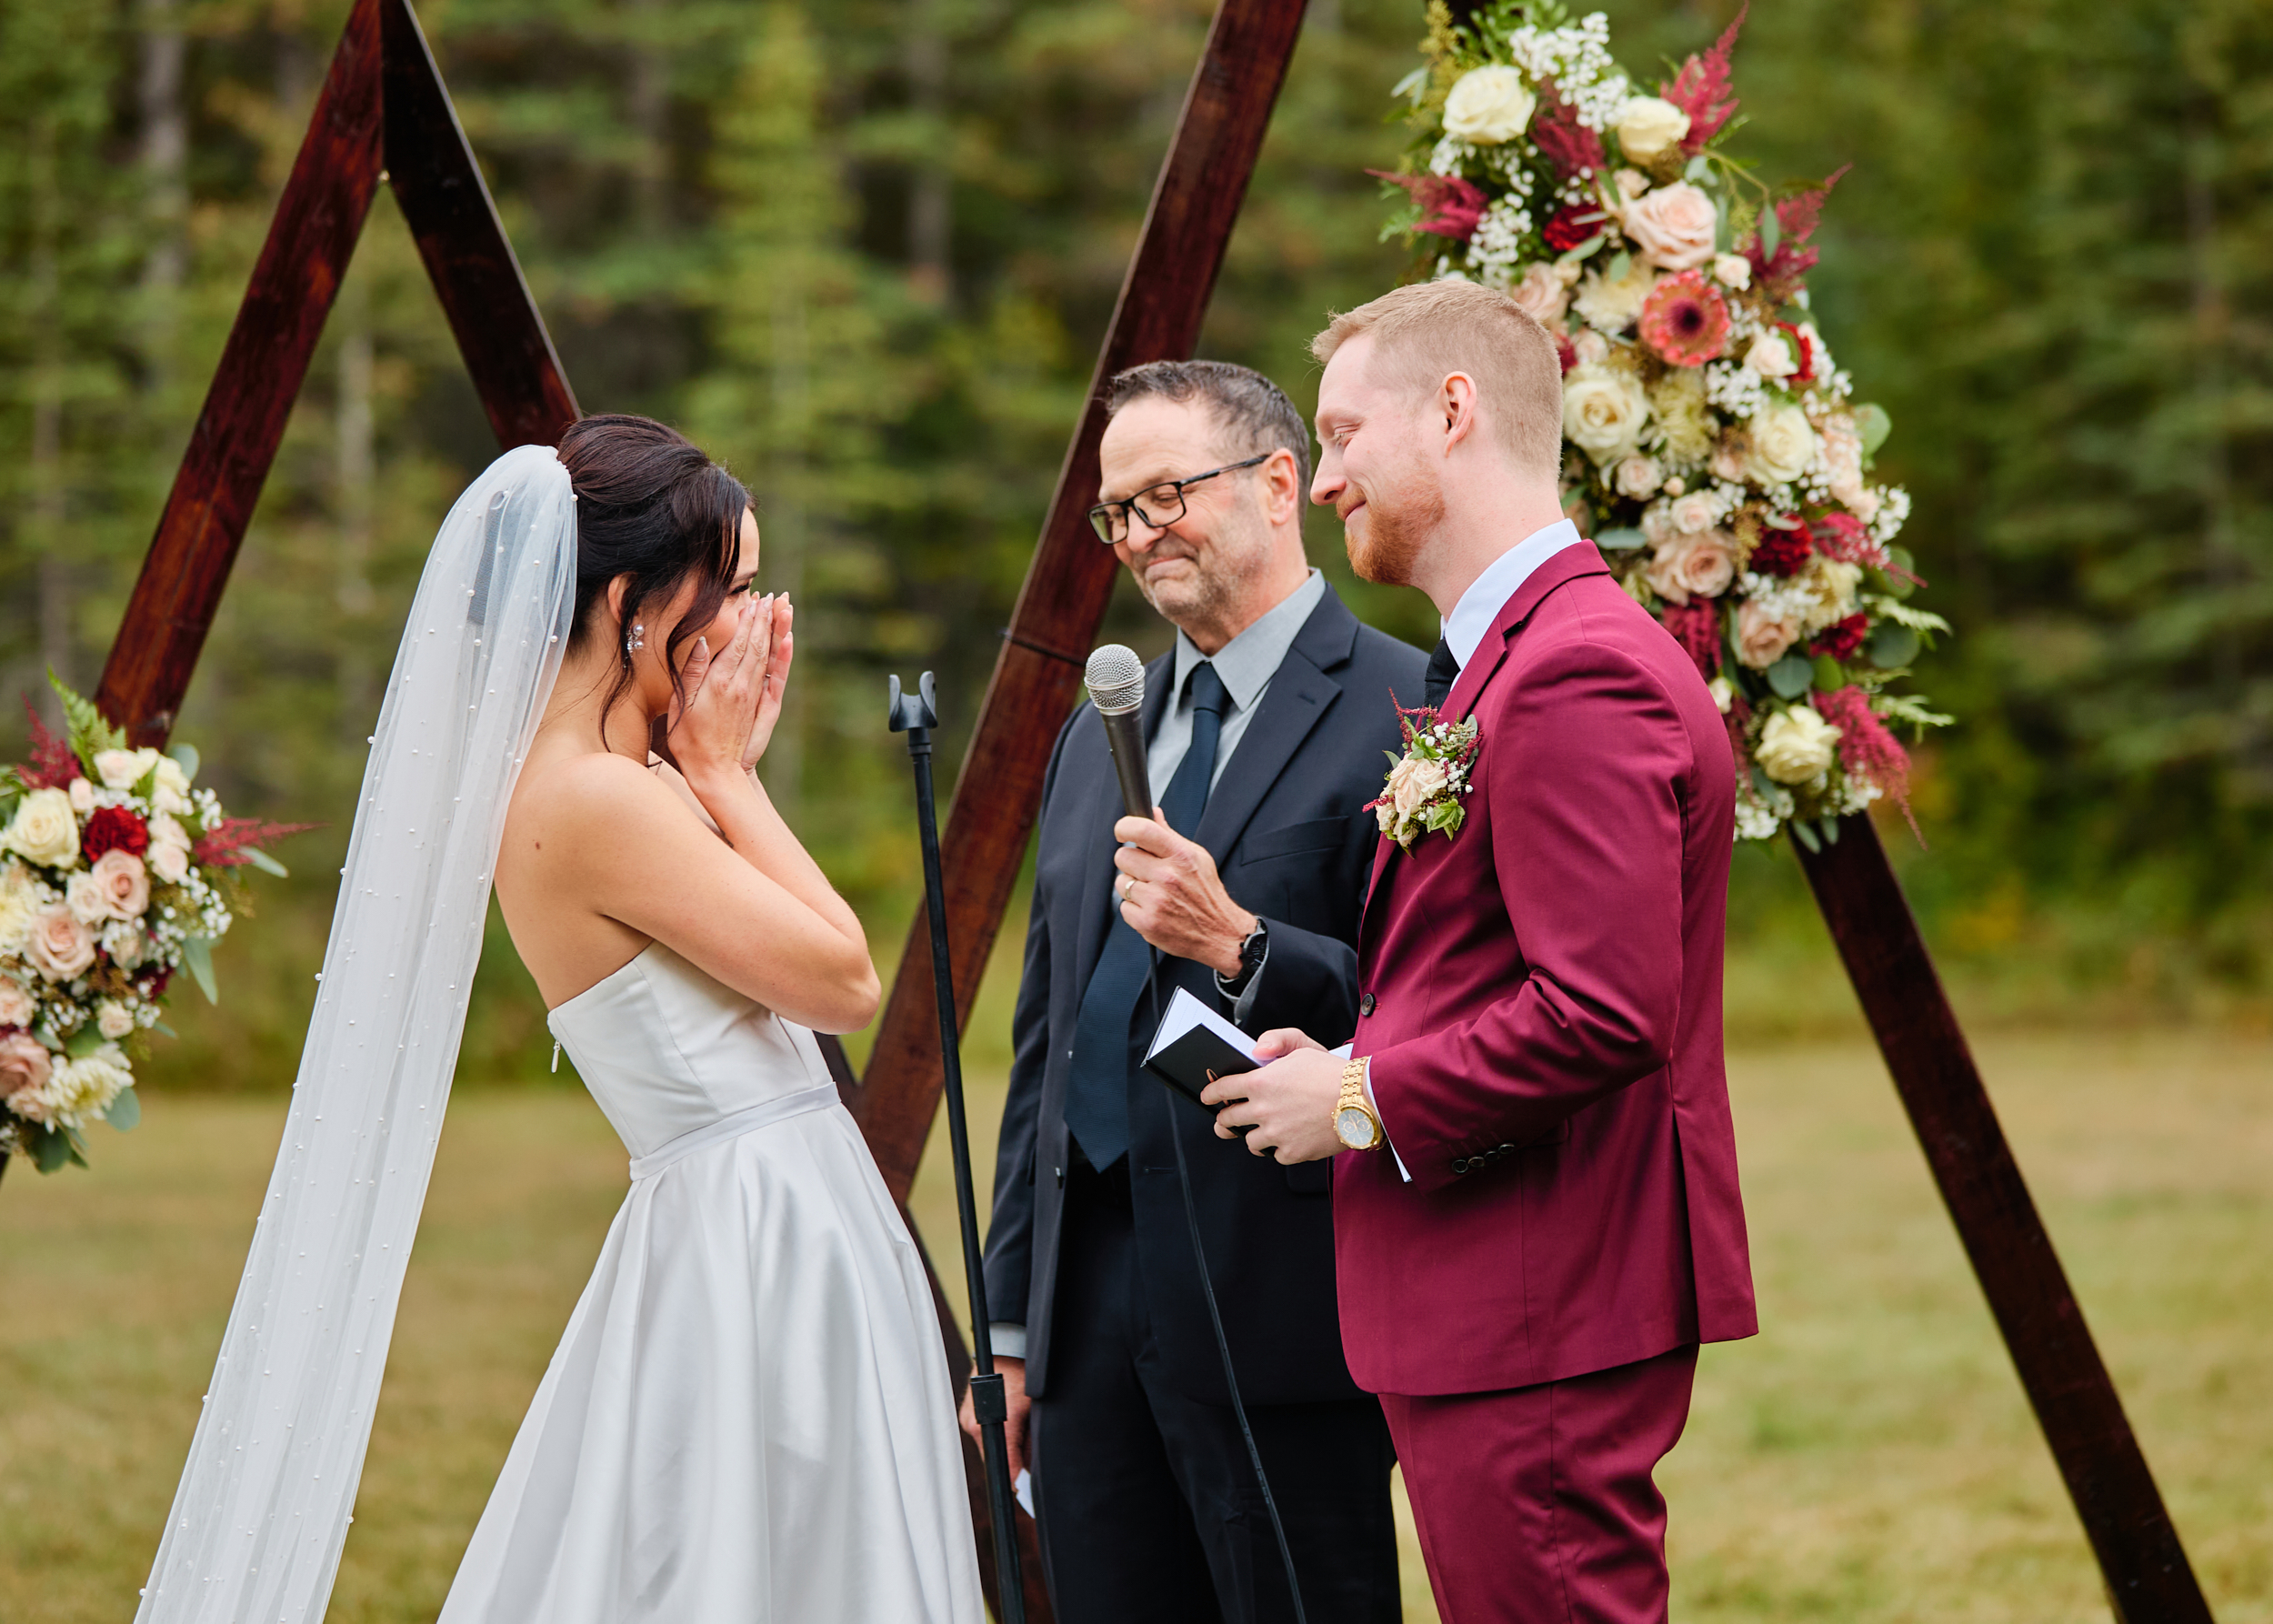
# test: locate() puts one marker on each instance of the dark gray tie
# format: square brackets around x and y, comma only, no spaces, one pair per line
[1443,672]
[1106,1049]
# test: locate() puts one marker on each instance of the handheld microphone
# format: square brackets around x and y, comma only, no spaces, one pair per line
[1115,677]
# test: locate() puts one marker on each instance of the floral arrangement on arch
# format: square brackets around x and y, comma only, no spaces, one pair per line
[1715,451]
[112,866]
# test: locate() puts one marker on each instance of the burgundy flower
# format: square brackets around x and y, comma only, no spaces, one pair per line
[1696,625]
[1842,638]
[1450,207]
[1685,319]
[1803,354]
[1702,89]
[1573,224]
[52,765]
[154,984]
[1574,149]
[1867,750]
[1840,535]
[114,828]
[1778,274]
[1781,552]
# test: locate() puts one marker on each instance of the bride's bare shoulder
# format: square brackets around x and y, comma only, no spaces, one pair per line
[591,795]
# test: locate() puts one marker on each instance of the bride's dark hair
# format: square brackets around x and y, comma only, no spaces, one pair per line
[650,506]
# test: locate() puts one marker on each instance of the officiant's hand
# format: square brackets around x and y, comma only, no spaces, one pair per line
[1013,1374]
[1171,895]
[1290,1103]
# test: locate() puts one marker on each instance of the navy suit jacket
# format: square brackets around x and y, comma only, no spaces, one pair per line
[1286,826]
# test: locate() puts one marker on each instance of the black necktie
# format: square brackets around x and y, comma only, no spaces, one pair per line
[1104,1049]
[1443,672]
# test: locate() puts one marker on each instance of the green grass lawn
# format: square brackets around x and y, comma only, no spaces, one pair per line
[1869,1456]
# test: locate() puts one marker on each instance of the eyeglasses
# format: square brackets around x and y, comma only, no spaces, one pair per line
[1159,506]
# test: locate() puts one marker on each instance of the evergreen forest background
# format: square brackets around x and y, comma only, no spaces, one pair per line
[864,251]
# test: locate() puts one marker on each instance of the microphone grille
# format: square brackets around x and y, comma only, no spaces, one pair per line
[1116,678]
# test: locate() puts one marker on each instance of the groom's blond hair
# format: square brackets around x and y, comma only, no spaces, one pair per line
[1426,331]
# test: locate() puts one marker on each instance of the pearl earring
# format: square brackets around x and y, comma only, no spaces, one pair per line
[635,639]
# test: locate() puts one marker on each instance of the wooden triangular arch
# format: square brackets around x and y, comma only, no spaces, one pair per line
[383,115]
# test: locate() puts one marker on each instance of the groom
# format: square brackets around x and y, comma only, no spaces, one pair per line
[1535,1211]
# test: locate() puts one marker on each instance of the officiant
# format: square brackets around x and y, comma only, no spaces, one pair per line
[1266,729]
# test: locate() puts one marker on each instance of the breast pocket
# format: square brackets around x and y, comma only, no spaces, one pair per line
[1298,872]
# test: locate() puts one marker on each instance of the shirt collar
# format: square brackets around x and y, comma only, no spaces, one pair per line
[1502,578]
[1249,661]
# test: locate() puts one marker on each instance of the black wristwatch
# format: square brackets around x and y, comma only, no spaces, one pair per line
[1254,947]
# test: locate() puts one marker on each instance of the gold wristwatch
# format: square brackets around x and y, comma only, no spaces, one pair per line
[1354,1122]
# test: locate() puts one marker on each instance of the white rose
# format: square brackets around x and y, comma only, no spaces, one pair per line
[1732,270]
[166,831]
[1797,746]
[16,1008]
[1638,478]
[165,799]
[1414,782]
[1604,412]
[1674,225]
[82,793]
[1724,693]
[1830,585]
[173,776]
[1770,356]
[44,829]
[122,769]
[113,1019]
[1543,295]
[84,894]
[1782,445]
[15,925]
[1695,513]
[1488,105]
[1649,125]
[1589,347]
[170,862]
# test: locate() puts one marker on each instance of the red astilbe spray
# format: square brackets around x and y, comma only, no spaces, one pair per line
[1450,207]
[1696,625]
[1780,274]
[1703,88]
[52,765]
[1574,150]
[1868,751]
[226,843]
[1840,535]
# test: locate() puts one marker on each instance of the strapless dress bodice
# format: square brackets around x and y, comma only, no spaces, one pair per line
[674,1057]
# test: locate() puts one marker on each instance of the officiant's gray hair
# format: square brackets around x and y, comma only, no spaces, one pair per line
[1253,413]
[1426,331]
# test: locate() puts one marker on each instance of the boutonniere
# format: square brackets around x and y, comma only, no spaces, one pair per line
[1426,783]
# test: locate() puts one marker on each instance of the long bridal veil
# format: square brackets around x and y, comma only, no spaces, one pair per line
[258,1523]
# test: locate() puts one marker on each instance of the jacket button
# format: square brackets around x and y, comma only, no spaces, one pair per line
[1459,1165]
[1364,1004]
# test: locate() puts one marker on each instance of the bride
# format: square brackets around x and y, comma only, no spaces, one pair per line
[749,1416]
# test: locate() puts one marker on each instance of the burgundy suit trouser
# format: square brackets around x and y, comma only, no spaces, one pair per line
[1536,1505]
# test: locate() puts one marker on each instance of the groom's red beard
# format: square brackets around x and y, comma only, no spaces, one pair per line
[1397,526]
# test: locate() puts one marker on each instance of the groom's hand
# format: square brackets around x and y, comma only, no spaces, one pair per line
[1289,1102]
[1013,1374]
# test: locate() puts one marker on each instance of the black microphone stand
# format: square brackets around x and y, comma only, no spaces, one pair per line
[917,714]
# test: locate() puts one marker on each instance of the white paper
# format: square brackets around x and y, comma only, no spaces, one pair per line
[1184,1012]
[1023,1490]
[1343,1054]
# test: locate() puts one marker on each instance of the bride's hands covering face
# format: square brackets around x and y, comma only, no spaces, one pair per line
[734,693]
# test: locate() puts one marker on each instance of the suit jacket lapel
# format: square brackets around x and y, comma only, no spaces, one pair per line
[1104,810]
[1299,694]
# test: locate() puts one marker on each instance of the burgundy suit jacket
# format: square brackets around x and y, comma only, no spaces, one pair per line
[1541,996]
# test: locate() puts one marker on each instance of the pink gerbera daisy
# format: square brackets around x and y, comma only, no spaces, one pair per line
[1685,319]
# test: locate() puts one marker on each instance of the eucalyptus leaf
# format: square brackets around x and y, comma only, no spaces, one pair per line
[126,1110]
[1874,426]
[1413,83]
[1771,232]
[1723,239]
[1807,836]
[1830,675]
[1616,270]
[1830,829]
[50,1150]
[1892,646]
[197,960]
[1792,676]
[83,1042]
[1623,540]
[265,863]
[1699,171]
[1586,250]
[159,1025]
[1761,784]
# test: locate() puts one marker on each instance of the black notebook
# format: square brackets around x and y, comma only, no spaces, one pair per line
[1194,1047]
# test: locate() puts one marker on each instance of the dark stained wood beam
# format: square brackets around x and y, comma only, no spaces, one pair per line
[999,792]
[294,281]
[448,206]
[2149,1578]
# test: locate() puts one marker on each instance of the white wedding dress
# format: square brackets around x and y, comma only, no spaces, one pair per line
[749,1419]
